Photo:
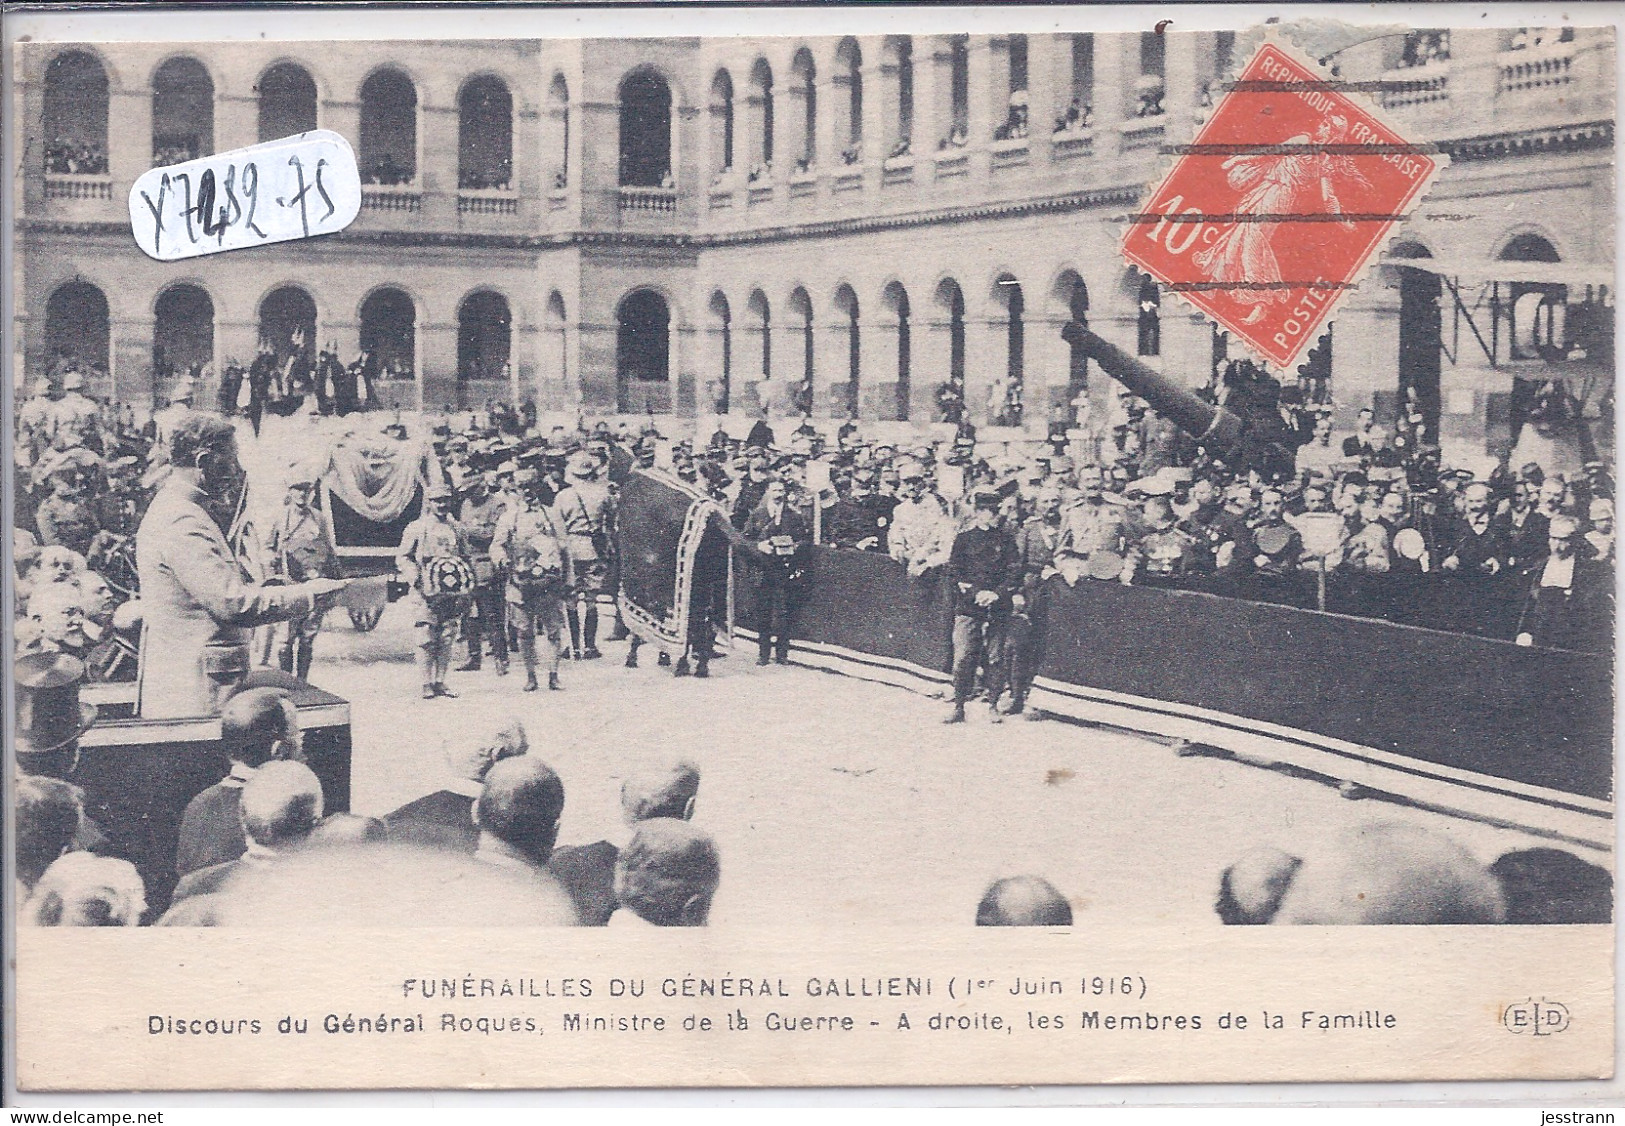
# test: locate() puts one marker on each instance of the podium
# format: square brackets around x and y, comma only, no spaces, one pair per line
[139,774]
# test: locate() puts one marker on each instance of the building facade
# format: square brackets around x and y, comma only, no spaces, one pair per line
[858,225]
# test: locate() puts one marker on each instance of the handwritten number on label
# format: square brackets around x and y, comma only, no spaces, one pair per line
[186,211]
[205,204]
[252,191]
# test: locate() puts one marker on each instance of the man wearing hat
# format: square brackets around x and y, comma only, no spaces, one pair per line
[985,571]
[526,547]
[433,558]
[487,616]
[75,415]
[1569,600]
[587,510]
[66,517]
[298,550]
[180,405]
[197,604]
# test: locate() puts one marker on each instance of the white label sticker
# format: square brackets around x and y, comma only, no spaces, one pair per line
[294,188]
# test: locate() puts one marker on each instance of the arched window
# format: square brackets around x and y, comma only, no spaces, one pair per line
[896,300]
[557,142]
[182,112]
[288,322]
[558,323]
[1014,123]
[643,352]
[389,333]
[645,132]
[1005,399]
[389,129]
[75,116]
[287,102]
[1078,113]
[1153,63]
[951,395]
[849,100]
[722,333]
[722,123]
[1150,319]
[76,328]
[804,87]
[485,135]
[183,330]
[761,119]
[484,338]
[761,327]
[1073,295]
[897,72]
[801,316]
[846,313]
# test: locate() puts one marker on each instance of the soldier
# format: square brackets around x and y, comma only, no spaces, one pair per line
[1035,548]
[76,415]
[487,618]
[433,558]
[299,551]
[261,373]
[986,574]
[586,509]
[66,517]
[526,544]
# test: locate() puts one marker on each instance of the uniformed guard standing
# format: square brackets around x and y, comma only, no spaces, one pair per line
[487,617]
[299,551]
[433,559]
[528,548]
[587,511]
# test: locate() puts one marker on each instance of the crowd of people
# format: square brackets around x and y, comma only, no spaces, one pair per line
[516,550]
[67,156]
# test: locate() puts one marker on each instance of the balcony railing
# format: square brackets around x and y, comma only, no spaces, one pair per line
[379,198]
[1142,133]
[1416,86]
[1543,68]
[491,201]
[659,201]
[78,187]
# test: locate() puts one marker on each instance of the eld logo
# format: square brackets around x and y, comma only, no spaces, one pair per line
[1542,1017]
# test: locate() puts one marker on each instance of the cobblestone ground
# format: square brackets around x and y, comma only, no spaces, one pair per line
[837,801]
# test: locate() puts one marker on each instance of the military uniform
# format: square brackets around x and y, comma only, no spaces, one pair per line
[435,611]
[587,511]
[299,550]
[487,616]
[526,542]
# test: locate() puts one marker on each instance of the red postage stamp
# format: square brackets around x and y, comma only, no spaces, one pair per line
[1273,213]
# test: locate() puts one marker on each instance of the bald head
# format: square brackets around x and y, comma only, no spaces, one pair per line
[1391,874]
[1023,901]
[521,805]
[1250,890]
[258,725]
[493,739]
[661,791]
[85,890]
[340,829]
[281,804]
[668,874]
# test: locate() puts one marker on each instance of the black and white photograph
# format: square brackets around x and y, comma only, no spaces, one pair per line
[784,485]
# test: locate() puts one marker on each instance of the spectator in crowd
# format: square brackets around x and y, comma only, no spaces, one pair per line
[342,830]
[518,815]
[1023,901]
[985,571]
[1569,600]
[257,725]
[588,871]
[279,807]
[445,818]
[48,813]
[1251,889]
[1550,886]
[1600,539]
[1389,873]
[81,889]
[56,617]
[666,876]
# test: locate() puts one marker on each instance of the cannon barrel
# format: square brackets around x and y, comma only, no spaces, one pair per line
[1211,425]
